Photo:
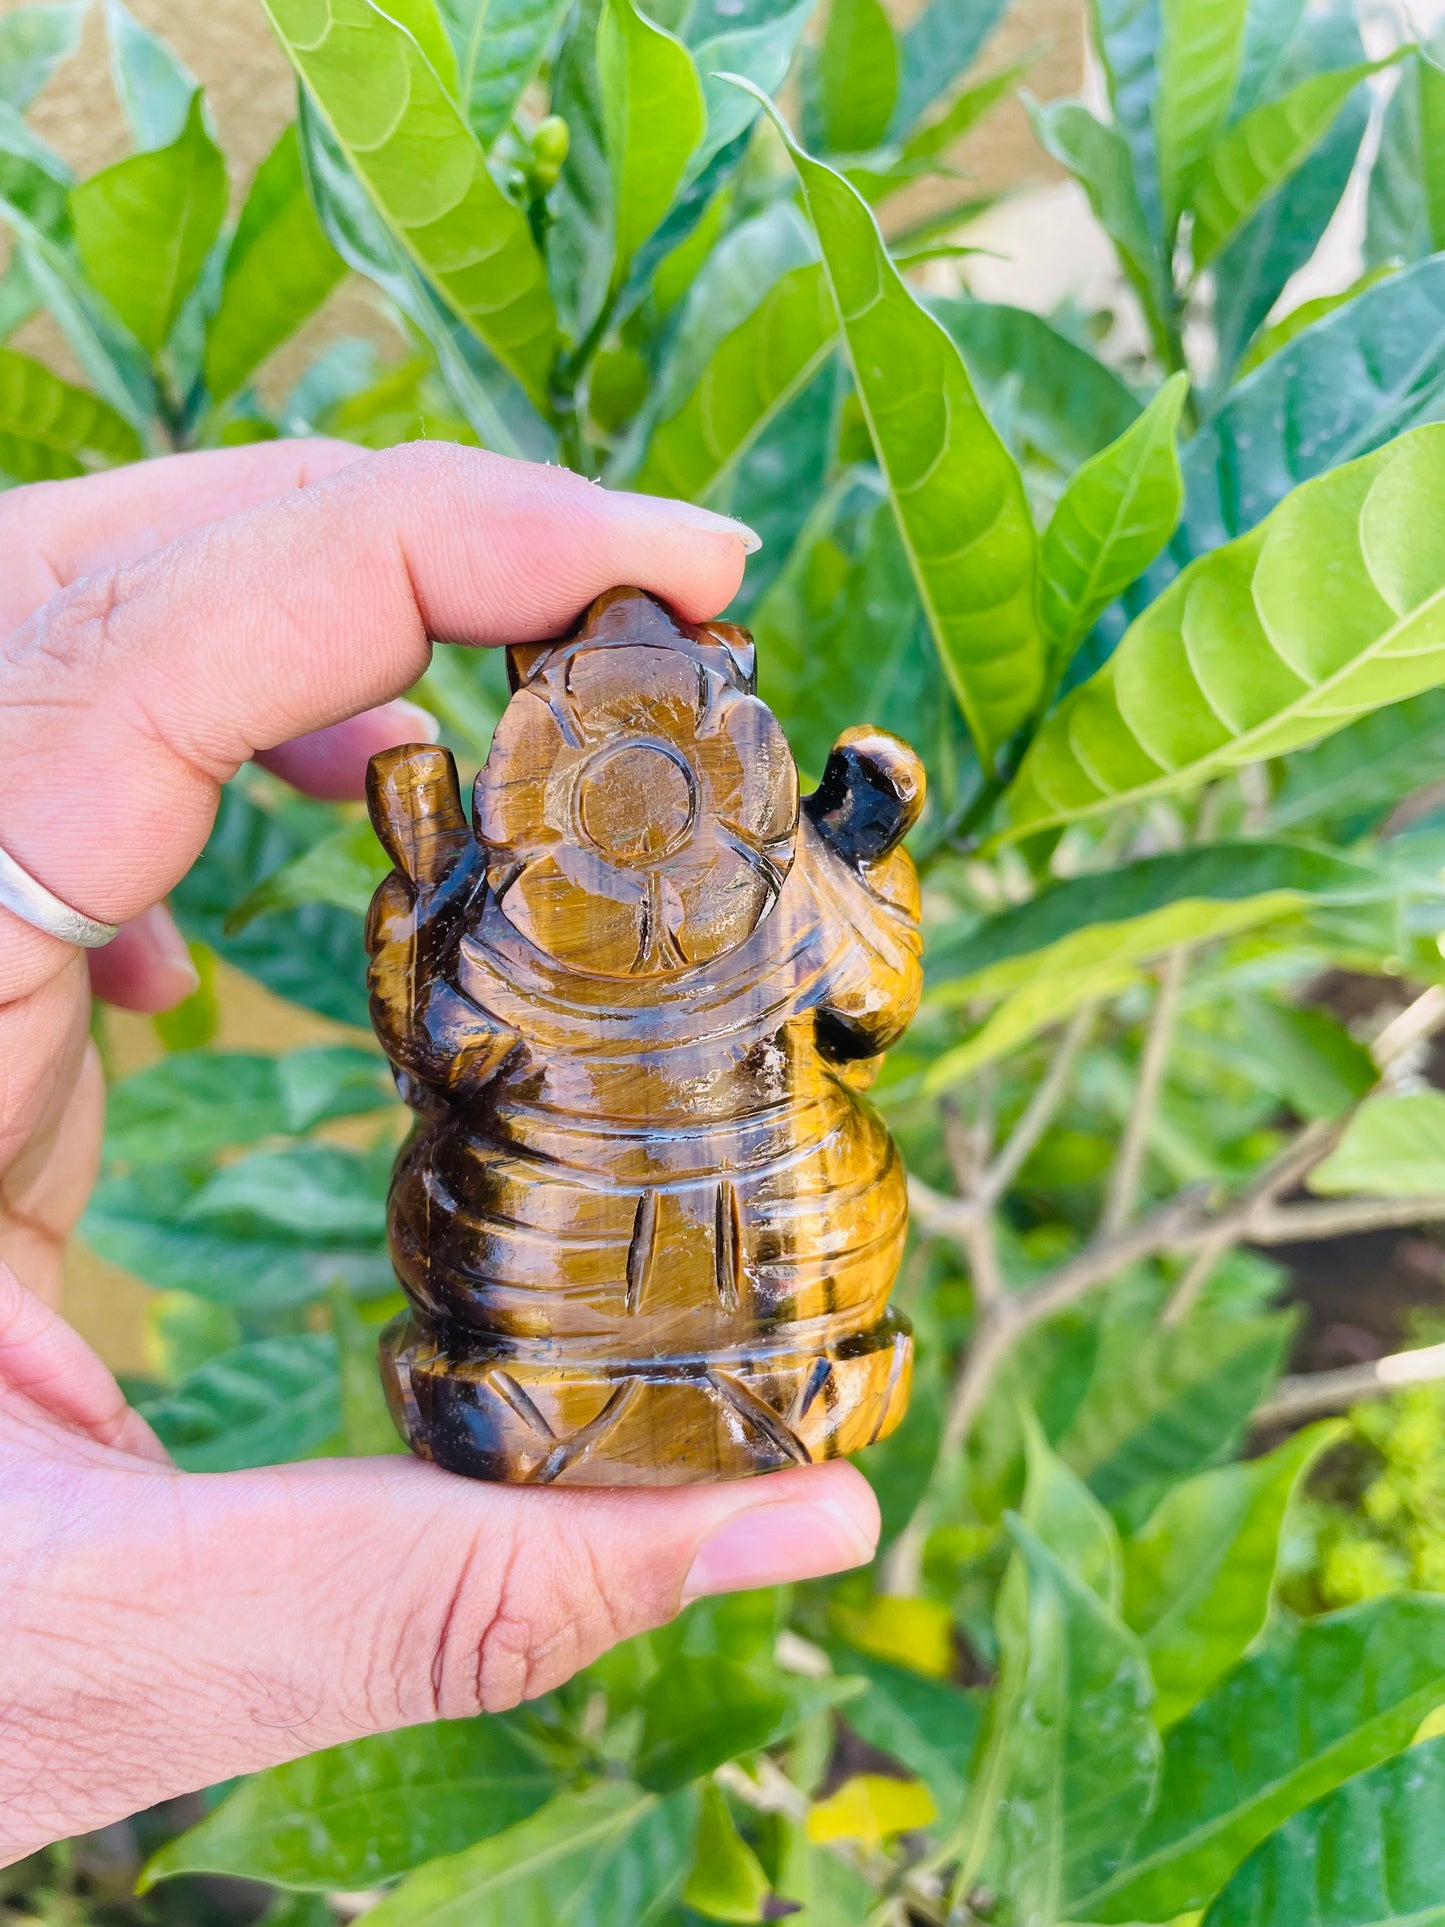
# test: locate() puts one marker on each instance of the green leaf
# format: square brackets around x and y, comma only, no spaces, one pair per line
[726,1881]
[1318,1703]
[698,1713]
[1406,216]
[1307,1057]
[49,430]
[1069,404]
[424,21]
[1261,151]
[279,268]
[1200,53]
[1279,334]
[612,1853]
[1327,610]
[942,42]
[246,1236]
[365,1812]
[1127,36]
[760,48]
[271,1400]
[1368,1855]
[1166,1401]
[1099,160]
[1068,1519]
[33,42]
[655,118]
[928,1725]
[1198,1578]
[1072,1755]
[956,490]
[1366,769]
[367,1427]
[499,45]
[192,1104]
[343,869]
[145,226]
[1394,1145]
[152,82]
[1113,518]
[751,376]
[857,77]
[426,175]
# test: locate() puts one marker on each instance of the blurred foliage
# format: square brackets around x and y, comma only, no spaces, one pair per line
[1155,592]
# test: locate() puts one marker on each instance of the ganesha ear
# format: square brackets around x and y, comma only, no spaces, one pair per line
[871,795]
[416,810]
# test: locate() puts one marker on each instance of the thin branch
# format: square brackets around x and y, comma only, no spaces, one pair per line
[1042,1107]
[985,1269]
[938,1216]
[1302,1397]
[1304,1223]
[1128,1173]
[1416,1023]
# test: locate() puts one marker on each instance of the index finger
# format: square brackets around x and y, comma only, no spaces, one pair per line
[132,695]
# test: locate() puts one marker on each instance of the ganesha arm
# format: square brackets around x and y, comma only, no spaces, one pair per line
[429,1028]
[871,795]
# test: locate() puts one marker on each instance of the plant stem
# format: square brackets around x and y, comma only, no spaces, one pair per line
[1311,1392]
[1042,1106]
[1127,1176]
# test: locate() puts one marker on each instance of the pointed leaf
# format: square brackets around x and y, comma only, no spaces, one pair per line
[593,1859]
[761,50]
[154,85]
[726,1881]
[1260,152]
[263,1403]
[856,77]
[279,268]
[1406,219]
[343,869]
[1368,1855]
[1072,1757]
[655,117]
[1200,55]
[145,226]
[956,490]
[49,430]
[499,45]
[1318,1703]
[33,42]
[1112,519]
[426,175]
[365,1812]
[1198,1578]
[1127,35]
[1332,607]
[1394,1146]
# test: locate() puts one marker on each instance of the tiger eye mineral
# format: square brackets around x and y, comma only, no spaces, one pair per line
[645,1221]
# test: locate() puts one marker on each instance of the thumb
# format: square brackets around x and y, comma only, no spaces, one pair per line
[250,1617]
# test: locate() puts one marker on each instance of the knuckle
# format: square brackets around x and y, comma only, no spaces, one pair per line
[79,629]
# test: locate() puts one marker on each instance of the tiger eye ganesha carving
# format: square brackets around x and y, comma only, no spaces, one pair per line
[646,1222]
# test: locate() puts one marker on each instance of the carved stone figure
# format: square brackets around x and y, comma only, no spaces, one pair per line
[646,1223]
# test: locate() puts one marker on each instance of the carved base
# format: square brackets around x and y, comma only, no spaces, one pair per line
[528,1416]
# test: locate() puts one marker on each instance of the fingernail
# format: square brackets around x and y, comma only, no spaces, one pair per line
[698,518]
[772,1544]
[420,726]
[167,944]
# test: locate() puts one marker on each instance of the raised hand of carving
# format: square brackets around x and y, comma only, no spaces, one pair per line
[646,1223]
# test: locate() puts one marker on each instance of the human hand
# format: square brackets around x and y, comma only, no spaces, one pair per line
[160,1631]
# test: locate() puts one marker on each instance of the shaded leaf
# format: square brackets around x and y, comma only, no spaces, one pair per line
[426,175]
[592,1859]
[145,226]
[367,1427]
[279,268]
[153,84]
[33,42]
[654,115]
[1127,36]
[1112,519]
[1280,333]
[942,42]
[927,1725]
[365,1812]
[1368,1855]
[698,1713]
[1394,1145]
[1199,1576]
[499,45]
[956,490]
[343,869]
[49,429]
[193,1104]
[1307,1057]
[1072,1756]
[856,78]
[1318,1703]
[271,1400]
[1325,611]
[1406,214]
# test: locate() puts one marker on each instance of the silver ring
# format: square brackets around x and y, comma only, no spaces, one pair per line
[41,908]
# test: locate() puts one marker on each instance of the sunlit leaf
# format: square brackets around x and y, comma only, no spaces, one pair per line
[49,429]
[1325,611]
[698,1713]
[1307,1056]
[265,1402]
[1199,1576]
[856,78]
[870,1808]
[1394,1145]
[145,226]
[365,1812]
[1318,1703]
[499,46]
[654,115]
[726,1881]
[33,42]
[1200,53]
[956,491]
[343,869]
